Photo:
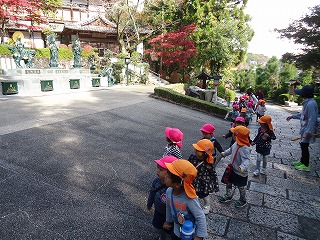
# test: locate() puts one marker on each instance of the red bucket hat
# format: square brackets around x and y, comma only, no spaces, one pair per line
[187,172]
[208,128]
[167,159]
[240,119]
[175,135]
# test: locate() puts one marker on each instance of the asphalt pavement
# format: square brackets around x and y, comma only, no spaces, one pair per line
[79,166]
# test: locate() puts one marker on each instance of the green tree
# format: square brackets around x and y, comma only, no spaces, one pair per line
[223,32]
[305,31]
[268,77]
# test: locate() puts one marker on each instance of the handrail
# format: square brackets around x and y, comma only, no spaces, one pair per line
[157,74]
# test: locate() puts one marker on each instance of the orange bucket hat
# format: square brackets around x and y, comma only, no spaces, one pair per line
[205,145]
[266,119]
[243,110]
[242,134]
[187,172]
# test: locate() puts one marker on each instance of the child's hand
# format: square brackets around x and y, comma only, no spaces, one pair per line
[265,136]
[167,225]
[222,154]
[240,169]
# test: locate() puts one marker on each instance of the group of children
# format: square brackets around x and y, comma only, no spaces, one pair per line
[181,184]
[246,107]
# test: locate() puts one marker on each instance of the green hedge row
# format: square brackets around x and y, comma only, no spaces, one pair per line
[192,102]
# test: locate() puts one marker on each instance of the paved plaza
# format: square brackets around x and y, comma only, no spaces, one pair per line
[79,166]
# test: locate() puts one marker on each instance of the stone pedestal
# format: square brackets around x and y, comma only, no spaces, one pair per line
[290,104]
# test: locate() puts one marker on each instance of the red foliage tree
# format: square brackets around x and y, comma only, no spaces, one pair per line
[33,11]
[174,47]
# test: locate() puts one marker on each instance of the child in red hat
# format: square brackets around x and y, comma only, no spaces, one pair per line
[182,201]
[232,115]
[157,197]
[240,157]
[174,138]
[207,131]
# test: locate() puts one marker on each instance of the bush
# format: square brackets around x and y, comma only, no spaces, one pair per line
[170,94]
[226,93]
[282,98]
[4,50]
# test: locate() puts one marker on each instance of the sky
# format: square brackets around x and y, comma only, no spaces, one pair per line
[270,14]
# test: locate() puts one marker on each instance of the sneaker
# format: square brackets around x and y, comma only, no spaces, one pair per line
[263,171]
[206,210]
[240,203]
[302,167]
[297,163]
[224,199]
[256,172]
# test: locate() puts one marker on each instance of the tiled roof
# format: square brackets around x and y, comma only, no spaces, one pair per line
[89,28]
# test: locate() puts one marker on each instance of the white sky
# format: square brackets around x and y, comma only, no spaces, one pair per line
[270,14]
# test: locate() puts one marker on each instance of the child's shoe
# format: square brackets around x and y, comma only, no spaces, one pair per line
[240,203]
[263,171]
[224,199]
[256,172]
[206,210]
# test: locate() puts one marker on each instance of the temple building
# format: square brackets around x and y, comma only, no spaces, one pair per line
[84,19]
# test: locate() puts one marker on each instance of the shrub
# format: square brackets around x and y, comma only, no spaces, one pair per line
[170,94]
[4,50]
[282,98]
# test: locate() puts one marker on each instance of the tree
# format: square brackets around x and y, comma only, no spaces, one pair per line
[33,11]
[174,48]
[135,25]
[305,31]
[223,32]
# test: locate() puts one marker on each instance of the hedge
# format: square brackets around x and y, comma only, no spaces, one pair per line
[192,102]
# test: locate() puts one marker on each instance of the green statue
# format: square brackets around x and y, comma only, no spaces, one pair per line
[76,49]
[20,53]
[51,39]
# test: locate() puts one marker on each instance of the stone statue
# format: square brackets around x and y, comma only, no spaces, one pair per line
[76,49]
[53,51]
[107,71]
[20,53]
[91,63]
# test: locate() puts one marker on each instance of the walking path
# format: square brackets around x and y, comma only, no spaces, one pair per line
[284,204]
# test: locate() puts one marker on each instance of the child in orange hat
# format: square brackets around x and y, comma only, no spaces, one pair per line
[157,197]
[174,139]
[263,143]
[243,113]
[182,201]
[240,156]
[260,108]
[206,180]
